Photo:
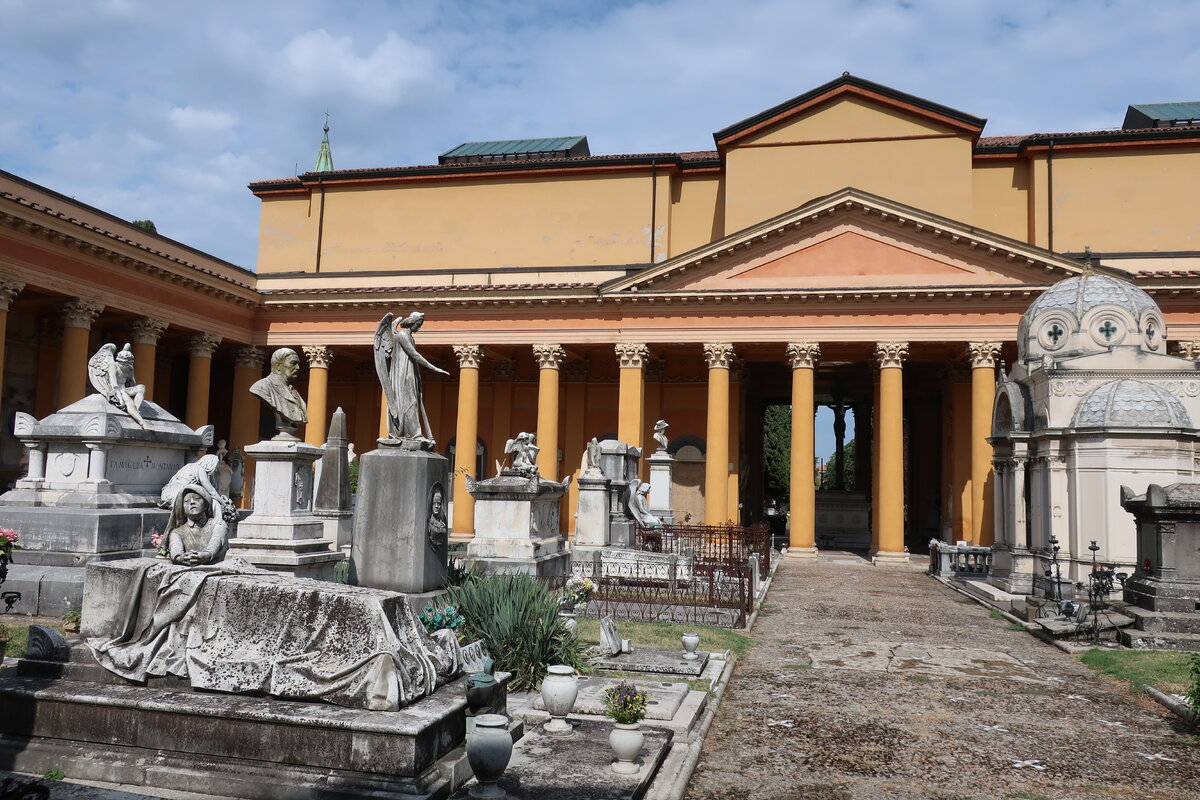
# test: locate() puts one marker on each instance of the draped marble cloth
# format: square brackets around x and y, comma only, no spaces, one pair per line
[232,627]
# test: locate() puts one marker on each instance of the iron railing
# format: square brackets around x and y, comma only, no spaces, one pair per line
[713,546]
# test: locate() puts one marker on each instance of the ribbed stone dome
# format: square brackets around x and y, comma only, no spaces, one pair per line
[1130,404]
[1090,314]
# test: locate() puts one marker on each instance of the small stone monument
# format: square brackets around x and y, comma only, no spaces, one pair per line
[662,464]
[400,533]
[281,534]
[331,504]
[591,515]
[619,463]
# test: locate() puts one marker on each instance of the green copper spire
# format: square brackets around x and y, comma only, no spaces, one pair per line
[324,155]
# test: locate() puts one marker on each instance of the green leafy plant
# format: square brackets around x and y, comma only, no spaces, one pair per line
[1193,693]
[459,572]
[516,616]
[434,619]
[354,476]
[70,621]
[5,634]
[625,704]
[55,774]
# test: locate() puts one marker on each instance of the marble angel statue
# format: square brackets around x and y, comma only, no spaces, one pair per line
[397,363]
[524,453]
[639,504]
[111,373]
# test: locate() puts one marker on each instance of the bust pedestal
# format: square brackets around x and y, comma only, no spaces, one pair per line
[517,524]
[661,463]
[591,516]
[282,534]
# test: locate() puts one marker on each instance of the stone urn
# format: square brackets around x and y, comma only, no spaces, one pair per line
[559,690]
[690,642]
[489,748]
[626,742]
[568,620]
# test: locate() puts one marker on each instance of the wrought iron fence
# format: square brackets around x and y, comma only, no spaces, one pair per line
[712,545]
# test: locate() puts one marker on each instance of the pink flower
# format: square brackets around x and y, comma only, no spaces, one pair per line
[9,535]
[156,539]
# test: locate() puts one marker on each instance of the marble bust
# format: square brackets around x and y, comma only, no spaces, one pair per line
[277,391]
[660,434]
[194,534]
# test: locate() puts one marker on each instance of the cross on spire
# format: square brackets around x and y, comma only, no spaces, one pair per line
[324,155]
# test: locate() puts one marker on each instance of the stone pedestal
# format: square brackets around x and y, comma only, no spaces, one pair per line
[619,463]
[281,533]
[395,547]
[517,525]
[591,516]
[331,500]
[661,466]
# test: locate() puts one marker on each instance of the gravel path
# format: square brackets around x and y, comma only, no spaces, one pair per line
[866,682]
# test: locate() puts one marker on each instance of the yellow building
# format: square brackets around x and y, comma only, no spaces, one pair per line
[855,246]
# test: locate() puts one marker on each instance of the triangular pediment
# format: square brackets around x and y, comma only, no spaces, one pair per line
[855,241]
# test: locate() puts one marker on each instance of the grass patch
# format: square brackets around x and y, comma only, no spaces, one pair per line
[995,614]
[1014,626]
[1165,670]
[1040,692]
[1026,796]
[797,666]
[665,635]
[919,678]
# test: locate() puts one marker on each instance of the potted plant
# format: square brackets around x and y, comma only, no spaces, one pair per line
[5,638]
[70,622]
[577,592]
[627,707]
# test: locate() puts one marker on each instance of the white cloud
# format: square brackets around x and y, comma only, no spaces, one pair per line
[318,63]
[200,120]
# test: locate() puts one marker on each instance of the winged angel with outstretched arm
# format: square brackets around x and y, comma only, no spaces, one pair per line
[397,363]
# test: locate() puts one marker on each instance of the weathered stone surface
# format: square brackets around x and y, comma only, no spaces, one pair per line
[516,517]
[46,644]
[45,591]
[665,696]
[666,662]
[333,485]
[392,547]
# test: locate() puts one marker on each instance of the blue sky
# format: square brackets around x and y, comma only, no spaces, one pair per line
[166,110]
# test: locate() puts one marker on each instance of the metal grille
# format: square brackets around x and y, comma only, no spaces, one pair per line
[713,545]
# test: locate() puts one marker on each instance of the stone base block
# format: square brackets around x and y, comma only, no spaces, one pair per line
[1158,594]
[339,526]
[803,553]
[45,591]
[666,662]
[70,537]
[543,566]
[1160,640]
[304,558]
[882,558]
[259,747]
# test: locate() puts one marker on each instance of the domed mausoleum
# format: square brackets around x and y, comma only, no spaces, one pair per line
[1093,403]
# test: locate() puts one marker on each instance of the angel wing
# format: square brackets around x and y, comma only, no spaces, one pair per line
[508,446]
[99,367]
[384,342]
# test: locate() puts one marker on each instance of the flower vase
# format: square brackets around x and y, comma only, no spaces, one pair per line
[489,748]
[568,620]
[690,642]
[626,742]
[559,690]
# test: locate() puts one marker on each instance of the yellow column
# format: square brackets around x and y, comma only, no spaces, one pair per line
[631,402]
[383,415]
[200,348]
[733,493]
[719,356]
[802,492]
[549,357]
[145,333]
[466,435]
[78,316]
[983,395]
[319,358]
[890,356]
[243,418]
[8,290]
[874,460]
[574,415]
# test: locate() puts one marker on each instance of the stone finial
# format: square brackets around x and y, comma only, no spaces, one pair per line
[891,354]
[719,355]
[549,356]
[8,290]
[319,356]
[504,369]
[249,357]
[1188,349]
[803,355]
[983,354]
[80,313]
[470,356]
[576,370]
[147,330]
[202,345]
[631,355]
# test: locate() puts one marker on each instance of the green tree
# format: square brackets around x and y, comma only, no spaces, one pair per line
[777,450]
[848,469]
[145,224]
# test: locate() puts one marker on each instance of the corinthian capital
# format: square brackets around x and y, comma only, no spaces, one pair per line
[319,356]
[469,355]
[549,356]
[891,354]
[983,354]
[80,313]
[719,355]
[803,355]
[202,345]
[147,330]
[631,355]
[250,357]
[8,290]
[1188,349]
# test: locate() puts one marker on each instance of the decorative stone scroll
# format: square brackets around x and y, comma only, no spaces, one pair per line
[631,355]
[891,354]
[983,354]
[203,345]
[803,355]
[549,356]
[470,356]
[80,313]
[719,355]
[147,330]
[319,356]
[249,357]
[1188,349]
[8,290]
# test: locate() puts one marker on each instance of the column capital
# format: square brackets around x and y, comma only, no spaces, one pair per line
[549,356]
[631,355]
[983,354]
[147,330]
[8,290]
[803,355]
[202,345]
[505,369]
[80,313]
[891,354]
[1188,349]
[470,356]
[319,356]
[249,357]
[719,355]
[576,370]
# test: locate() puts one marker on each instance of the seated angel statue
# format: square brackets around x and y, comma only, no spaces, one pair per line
[111,373]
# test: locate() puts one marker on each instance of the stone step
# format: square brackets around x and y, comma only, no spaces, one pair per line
[1160,640]
[991,595]
[1164,621]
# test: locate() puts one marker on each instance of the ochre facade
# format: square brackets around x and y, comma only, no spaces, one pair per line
[854,247]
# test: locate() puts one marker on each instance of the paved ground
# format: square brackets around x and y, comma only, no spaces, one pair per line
[873,683]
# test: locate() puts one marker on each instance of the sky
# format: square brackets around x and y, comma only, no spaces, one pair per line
[165,110]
